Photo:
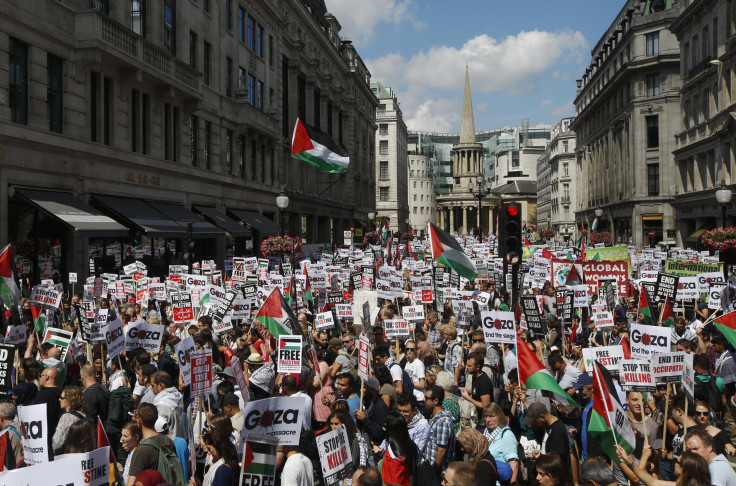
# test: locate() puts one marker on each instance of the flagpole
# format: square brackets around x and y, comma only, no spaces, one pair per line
[666,409]
[603,396]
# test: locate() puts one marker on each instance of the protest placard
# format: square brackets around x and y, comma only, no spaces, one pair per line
[413,312]
[279,417]
[608,356]
[239,376]
[498,327]
[364,351]
[647,341]
[7,355]
[396,328]
[666,287]
[144,335]
[34,429]
[15,335]
[636,375]
[184,350]
[714,295]
[290,354]
[84,469]
[533,317]
[181,306]
[201,372]
[59,338]
[688,382]
[114,338]
[45,297]
[603,321]
[334,455]
[324,320]
[667,367]
[687,288]
[259,460]
[344,311]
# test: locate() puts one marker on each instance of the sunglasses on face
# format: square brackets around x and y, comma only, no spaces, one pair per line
[702,414]
[478,340]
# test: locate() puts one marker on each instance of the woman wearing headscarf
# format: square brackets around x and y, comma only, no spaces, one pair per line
[475,446]
[24,394]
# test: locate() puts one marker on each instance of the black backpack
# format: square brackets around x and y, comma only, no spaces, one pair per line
[406,383]
[708,392]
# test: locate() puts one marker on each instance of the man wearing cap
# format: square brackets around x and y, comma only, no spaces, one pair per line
[374,418]
[231,408]
[555,439]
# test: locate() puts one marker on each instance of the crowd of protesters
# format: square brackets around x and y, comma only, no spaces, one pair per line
[442,407]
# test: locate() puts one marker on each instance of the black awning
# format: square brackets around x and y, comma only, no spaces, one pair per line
[144,216]
[86,221]
[257,222]
[219,218]
[183,216]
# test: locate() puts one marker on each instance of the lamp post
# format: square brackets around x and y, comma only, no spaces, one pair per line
[282,201]
[371,217]
[723,196]
[480,195]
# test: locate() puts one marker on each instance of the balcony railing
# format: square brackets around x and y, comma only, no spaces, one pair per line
[699,67]
[93,28]
[565,199]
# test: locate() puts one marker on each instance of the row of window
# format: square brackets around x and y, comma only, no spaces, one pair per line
[430,210]
[429,198]
[420,173]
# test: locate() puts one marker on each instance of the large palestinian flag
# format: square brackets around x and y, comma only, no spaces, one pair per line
[9,290]
[533,374]
[306,149]
[277,317]
[573,277]
[727,325]
[446,250]
[645,307]
[608,420]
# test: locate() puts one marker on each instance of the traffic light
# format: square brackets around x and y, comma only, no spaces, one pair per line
[512,233]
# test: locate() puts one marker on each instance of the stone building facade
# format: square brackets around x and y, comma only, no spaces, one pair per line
[627,114]
[158,114]
[706,137]
[422,198]
[392,172]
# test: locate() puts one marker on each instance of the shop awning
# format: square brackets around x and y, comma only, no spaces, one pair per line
[86,221]
[183,216]
[257,222]
[144,216]
[219,218]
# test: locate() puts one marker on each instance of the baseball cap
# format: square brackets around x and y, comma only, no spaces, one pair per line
[228,371]
[583,380]
[534,411]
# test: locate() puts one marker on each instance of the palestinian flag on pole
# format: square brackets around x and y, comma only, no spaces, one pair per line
[608,420]
[9,290]
[594,226]
[727,325]
[259,458]
[306,149]
[384,231]
[573,276]
[644,306]
[39,319]
[533,374]
[581,241]
[446,250]
[277,317]
[307,293]
[668,316]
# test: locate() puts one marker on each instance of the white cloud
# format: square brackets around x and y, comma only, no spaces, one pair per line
[546,102]
[359,18]
[513,64]
[564,110]
[440,115]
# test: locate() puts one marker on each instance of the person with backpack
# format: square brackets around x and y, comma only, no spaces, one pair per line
[708,388]
[13,457]
[155,451]
[402,382]
[74,404]
[121,404]
[502,443]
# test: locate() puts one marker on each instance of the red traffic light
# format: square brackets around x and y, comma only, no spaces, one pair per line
[512,211]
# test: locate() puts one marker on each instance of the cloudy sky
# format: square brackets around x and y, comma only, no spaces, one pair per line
[523,55]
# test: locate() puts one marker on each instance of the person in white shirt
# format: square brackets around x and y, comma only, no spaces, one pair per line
[290,389]
[297,469]
[701,443]
[415,369]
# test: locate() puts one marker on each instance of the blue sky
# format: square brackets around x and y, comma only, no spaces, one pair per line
[523,55]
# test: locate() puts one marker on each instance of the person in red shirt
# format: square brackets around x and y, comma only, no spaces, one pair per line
[400,455]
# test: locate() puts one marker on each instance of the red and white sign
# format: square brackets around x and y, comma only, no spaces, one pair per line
[396,328]
[364,351]
[427,296]
[413,313]
[201,369]
[324,320]
[46,298]
[636,375]
[647,341]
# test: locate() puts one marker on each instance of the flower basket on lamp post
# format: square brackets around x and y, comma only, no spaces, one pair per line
[723,240]
[280,246]
[371,238]
[597,237]
[548,233]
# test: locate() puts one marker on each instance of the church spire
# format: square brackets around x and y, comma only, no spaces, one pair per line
[467,128]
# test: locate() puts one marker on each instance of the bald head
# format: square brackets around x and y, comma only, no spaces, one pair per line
[48,377]
[55,353]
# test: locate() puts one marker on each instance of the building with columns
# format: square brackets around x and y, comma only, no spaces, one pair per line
[123,122]
[557,191]
[706,136]
[627,115]
[392,172]
[459,211]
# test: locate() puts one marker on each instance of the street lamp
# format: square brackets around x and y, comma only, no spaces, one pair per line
[371,217]
[723,196]
[598,212]
[282,201]
[480,195]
